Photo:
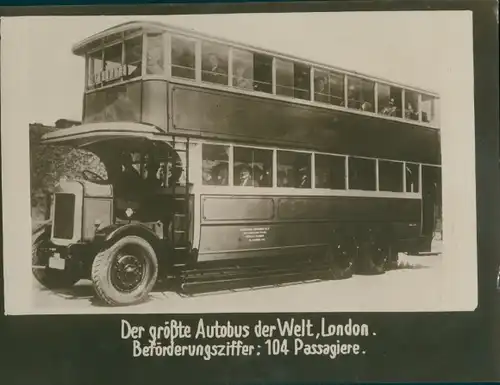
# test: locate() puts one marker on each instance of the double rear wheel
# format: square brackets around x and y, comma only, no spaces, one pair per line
[373,257]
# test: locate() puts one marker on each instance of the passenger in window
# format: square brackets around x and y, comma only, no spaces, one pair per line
[128,182]
[207,176]
[155,61]
[214,72]
[220,174]
[239,79]
[245,176]
[410,112]
[391,109]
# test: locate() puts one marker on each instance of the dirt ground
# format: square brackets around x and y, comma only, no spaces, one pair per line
[415,286]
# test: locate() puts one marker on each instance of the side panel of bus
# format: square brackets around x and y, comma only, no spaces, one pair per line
[260,226]
[224,116]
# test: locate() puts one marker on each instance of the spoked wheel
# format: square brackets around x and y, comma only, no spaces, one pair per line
[125,273]
[341,259]
[49,278]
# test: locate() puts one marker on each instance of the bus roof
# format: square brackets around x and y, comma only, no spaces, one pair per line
[85,134]
[87,44]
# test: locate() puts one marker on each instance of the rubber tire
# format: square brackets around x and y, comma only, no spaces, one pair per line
[392,259]
[368,263]
[101,268]
[50,278]
[337,271]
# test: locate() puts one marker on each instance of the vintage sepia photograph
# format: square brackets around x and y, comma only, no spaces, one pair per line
[234,163]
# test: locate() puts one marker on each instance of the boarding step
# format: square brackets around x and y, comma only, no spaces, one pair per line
[195,281]
[252,282]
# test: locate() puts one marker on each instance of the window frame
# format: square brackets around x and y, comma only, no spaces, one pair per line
[100,48]
[199,41]
[313,190]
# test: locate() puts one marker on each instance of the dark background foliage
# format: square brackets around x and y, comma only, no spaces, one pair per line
[49,164]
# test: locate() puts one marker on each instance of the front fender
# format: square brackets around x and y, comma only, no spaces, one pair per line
[110,234]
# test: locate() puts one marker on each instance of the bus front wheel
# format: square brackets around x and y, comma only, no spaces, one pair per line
[124,273]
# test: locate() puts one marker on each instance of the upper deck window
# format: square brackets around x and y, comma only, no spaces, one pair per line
[112,63]
[252,71]
[293,79]
[390,100]
[428,109]
[183,57]
[154,62]
[329,88]
[133,57]
[95,66]
[263,73]
[119,61]
[243,69]
[284,77]
[411,105]
[361,94]
[214,63]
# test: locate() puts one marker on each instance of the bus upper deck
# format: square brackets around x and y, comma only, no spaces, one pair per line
[187,83]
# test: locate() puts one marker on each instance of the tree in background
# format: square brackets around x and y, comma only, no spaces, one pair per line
[49,164]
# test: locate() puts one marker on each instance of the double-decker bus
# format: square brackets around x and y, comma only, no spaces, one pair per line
[228,164]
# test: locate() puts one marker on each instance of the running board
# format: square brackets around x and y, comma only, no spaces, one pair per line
[239,277]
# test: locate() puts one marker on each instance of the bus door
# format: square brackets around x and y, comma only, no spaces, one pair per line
[431,200]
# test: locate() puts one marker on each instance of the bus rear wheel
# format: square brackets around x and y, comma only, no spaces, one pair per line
[341,259]
[392,258]
[125,273]
[372,258]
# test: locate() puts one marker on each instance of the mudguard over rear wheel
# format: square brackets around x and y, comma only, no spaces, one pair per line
[49,278]
[125,273]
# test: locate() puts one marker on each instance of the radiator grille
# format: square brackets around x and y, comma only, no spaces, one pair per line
[64,213]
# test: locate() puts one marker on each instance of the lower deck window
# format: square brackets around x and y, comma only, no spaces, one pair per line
[215,164]
[390,176]
[330,171]
[412,178]
[294,169]
[253,167]
[362,174]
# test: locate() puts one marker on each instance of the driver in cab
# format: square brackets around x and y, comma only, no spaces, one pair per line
[128,181]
